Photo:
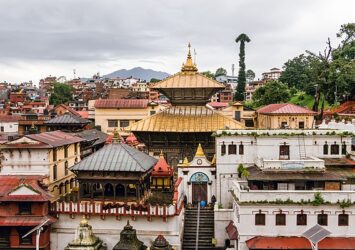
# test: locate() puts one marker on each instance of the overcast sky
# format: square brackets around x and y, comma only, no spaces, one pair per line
[40,38]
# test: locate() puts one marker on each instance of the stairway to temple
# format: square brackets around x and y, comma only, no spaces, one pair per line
[206,229]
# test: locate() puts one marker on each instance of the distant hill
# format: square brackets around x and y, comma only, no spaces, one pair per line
[138,72]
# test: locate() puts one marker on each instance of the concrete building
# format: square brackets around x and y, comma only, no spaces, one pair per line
[9,124]
[48,154]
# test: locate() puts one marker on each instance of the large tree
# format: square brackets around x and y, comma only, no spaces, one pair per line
[250,75]
[62,93]
[239,93]
[272,92]
[220,72]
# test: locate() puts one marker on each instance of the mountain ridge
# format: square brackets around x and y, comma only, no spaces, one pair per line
[138,72]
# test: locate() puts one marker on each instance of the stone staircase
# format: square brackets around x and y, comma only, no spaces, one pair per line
[206,229]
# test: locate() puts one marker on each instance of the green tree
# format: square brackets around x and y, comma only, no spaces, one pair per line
[154,80]
[239,93]
[209,74]
[220,72]
[272,92]
[62,93]
[250,75]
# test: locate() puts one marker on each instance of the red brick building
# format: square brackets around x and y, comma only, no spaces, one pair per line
[24,204]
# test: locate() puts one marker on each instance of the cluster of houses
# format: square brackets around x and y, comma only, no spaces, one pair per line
[183,174]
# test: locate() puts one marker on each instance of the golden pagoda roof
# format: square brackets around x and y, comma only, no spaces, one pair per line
[199,151]
[188,77]
[185,119]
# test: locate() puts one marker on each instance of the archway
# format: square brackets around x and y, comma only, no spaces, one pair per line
[120,190]
[108,190]
[199,183]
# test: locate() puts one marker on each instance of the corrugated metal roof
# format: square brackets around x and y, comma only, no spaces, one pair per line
[66,119]
[55,138]
[187,80]
[116,157]
[185,119]
[121,103]
[21,221]
[284,108]
[93,134]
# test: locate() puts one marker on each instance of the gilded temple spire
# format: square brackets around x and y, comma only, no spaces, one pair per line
[189,65]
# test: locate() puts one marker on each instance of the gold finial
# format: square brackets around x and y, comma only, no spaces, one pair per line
[199,151]
[84,221]
[185,162]
[189,66]
[116,136]
[213,162]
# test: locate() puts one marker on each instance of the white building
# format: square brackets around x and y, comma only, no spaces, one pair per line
[9,124]
[273,74]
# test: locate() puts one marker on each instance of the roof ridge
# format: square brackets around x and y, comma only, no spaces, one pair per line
[132,155]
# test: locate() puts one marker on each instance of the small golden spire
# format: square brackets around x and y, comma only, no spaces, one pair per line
[189,65]
[213,162]
[199,151]
[84,221]
[185,162]
[116,136]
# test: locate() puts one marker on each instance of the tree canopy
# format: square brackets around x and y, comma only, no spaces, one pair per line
[272,92]
[250,75]
[209,74]
[220,72]
[62,93]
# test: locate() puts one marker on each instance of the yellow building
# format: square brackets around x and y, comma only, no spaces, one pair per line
[238,112]
[285,115]
[49,154]
[118,114]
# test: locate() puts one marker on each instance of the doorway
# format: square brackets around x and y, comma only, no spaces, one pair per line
[199,192]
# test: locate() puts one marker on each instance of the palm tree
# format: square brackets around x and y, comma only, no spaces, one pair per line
[239,94]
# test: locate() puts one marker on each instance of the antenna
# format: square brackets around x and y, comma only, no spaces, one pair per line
[74,72]
[195,56]
[232,69]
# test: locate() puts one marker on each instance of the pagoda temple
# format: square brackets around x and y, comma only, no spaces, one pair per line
[179,129]
[162,175]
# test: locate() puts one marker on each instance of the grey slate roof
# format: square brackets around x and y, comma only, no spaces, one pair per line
[67,118]
[91,135]
[116,157]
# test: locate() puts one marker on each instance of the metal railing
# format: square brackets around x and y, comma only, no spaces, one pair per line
[197,225]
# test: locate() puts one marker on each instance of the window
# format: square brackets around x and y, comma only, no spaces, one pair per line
[232,149]
[237,116]
[66,171]
[284,125]
[21,232]
[4,237]
[301,219]
[54,154]
[152,112]
[24,208]
[325,149]
[323,219]
[54,172]
[241,149]
[260,219]
[280,219]
[223,149]
[301,125]
[112,123]
[2,128]
[284,152]
[343,220]
[124,123]
[66,151]
[343,149]
[249,123]
[334,149]
[76,148]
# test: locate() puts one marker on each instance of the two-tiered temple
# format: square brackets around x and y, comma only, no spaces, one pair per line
[179,129]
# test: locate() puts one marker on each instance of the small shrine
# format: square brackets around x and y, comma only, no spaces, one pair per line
[85,239]
[162,175]
[129,240]
[199,177]
[160,243]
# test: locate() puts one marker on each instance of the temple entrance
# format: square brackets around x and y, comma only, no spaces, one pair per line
[199,192]
[199,183]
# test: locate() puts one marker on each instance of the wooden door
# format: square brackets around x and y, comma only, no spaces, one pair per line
[199,192]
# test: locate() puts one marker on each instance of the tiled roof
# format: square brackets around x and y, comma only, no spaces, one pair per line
[69,109]
[190,80]
[9,118]
[293,242]
[162,168]
[185,119]
[13,182]
[217,104]
[116,157]
[285,108]
[55,138]
[22,221]
[84,114]
[121,103]
[67,119]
